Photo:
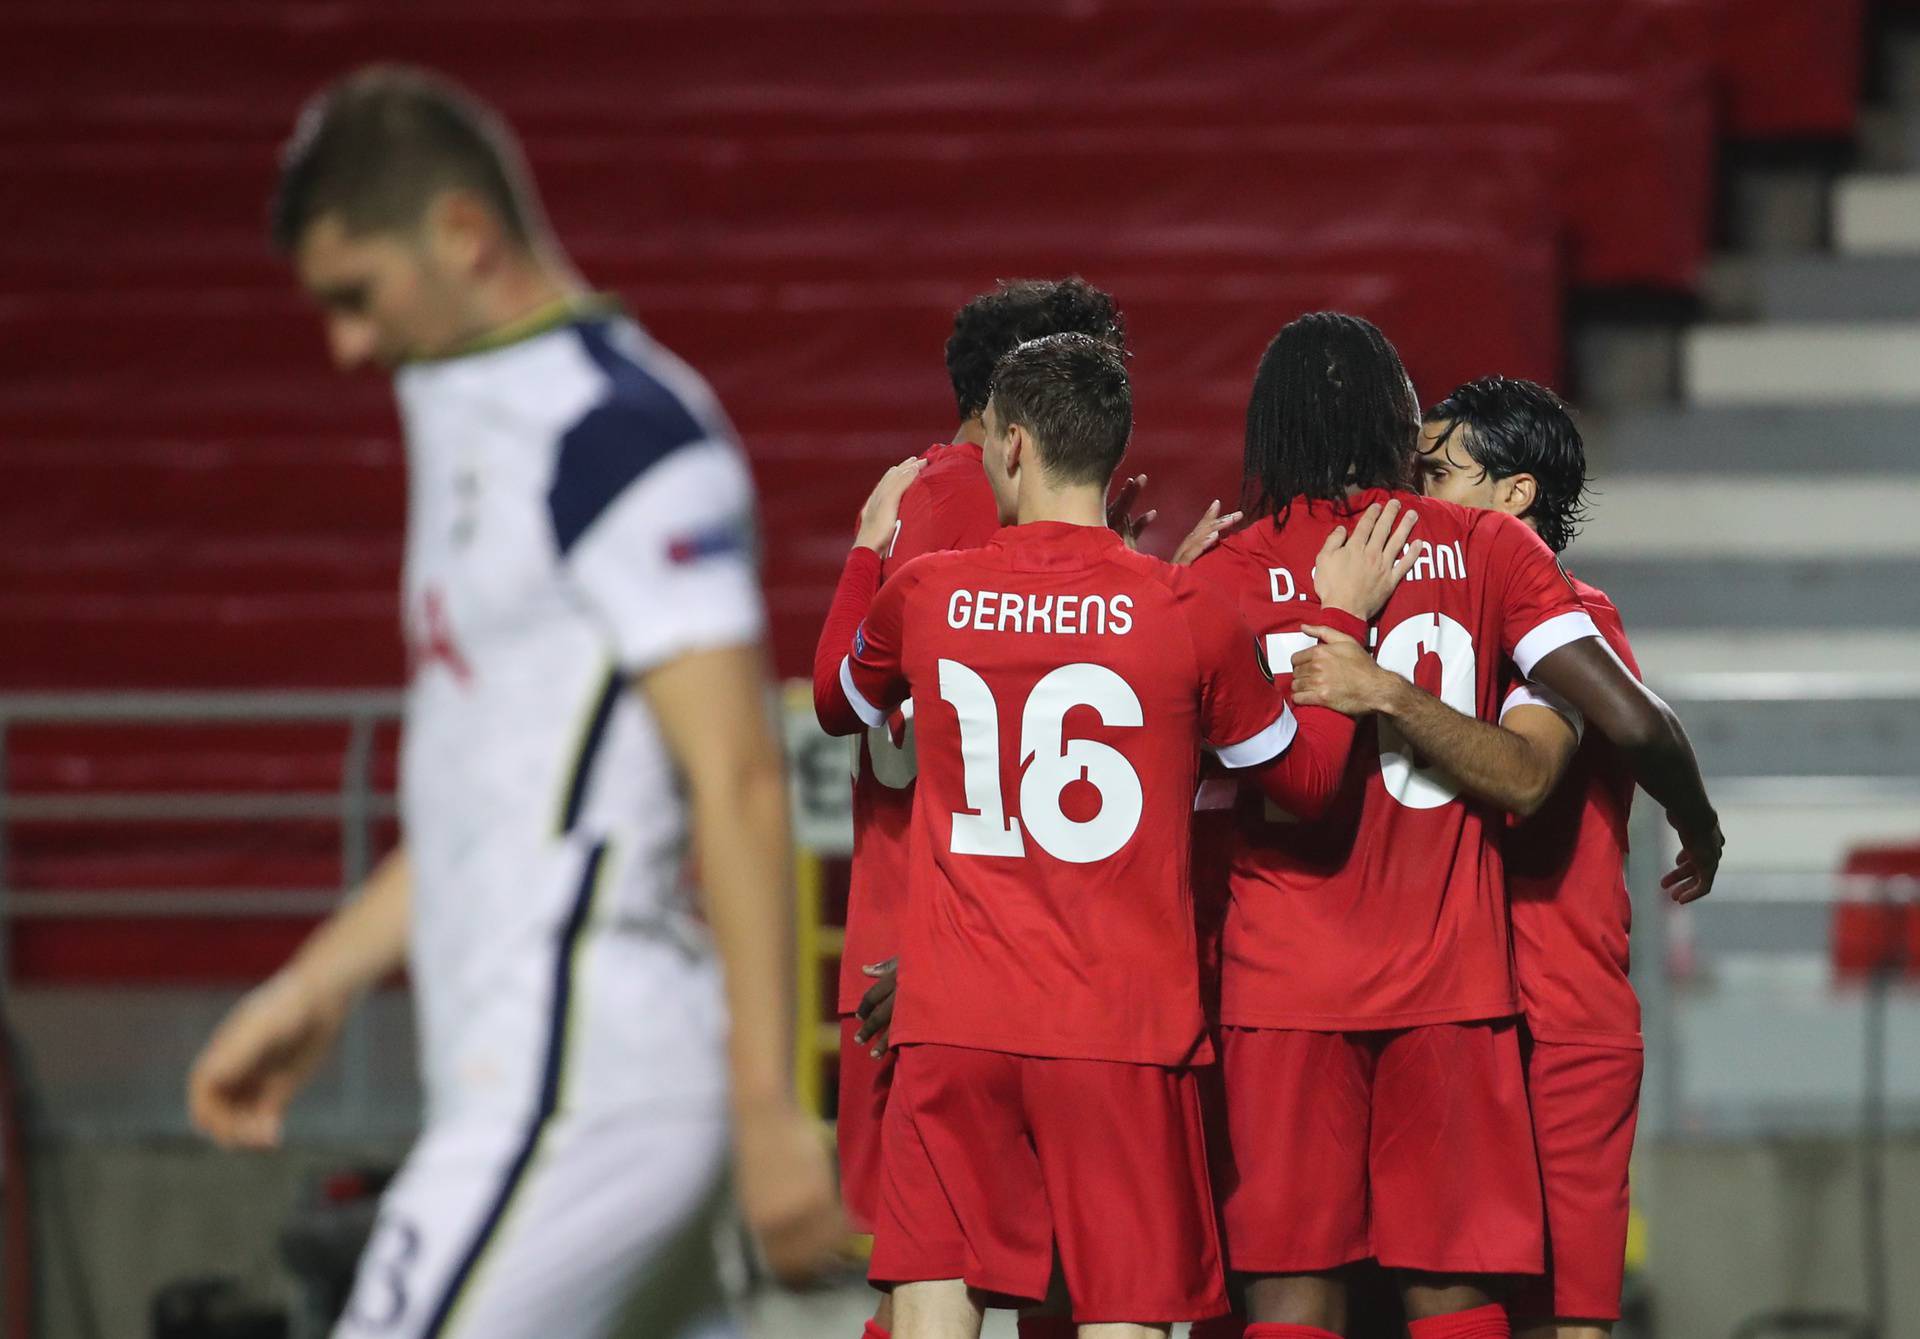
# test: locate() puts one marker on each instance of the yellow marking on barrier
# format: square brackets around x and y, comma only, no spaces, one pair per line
[809,1084]
[1636,1240]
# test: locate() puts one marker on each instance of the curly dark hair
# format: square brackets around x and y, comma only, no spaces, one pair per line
[1016,311]
[1331,409]
[1511,426]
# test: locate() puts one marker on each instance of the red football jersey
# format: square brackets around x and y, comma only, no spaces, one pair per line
[1391,911]
[1062,686]
[950,506]
[1567,883]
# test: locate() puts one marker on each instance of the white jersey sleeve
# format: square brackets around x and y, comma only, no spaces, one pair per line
[1529,694]
[669,565]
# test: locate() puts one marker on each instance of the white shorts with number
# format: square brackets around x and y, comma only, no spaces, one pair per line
[585,1226]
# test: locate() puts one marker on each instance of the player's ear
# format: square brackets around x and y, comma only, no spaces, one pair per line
[1517,494]
[1016,446]
[463,234]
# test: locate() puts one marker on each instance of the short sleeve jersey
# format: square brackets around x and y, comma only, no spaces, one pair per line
[1566,878]
[1392,910]
[950,506]
[579,514]
[1062,688]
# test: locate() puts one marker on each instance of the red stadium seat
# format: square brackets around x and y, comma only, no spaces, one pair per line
[1631,103]
[1876,919]
[795,198]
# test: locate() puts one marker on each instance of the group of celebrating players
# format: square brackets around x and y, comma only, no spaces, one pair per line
[1189,937]
[1254,915]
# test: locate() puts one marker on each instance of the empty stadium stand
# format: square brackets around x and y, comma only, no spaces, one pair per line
[795,198]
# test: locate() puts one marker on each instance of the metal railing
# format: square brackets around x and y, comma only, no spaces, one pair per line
[1795,898]
[354,804]
[1791,901]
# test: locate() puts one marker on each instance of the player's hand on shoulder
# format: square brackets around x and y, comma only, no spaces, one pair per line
[1692,875]
[1357,572]
[1120,517]
[1337,674]
[259,1056]
[783,1177]
[1207,532]
[882,508]
[876,1006]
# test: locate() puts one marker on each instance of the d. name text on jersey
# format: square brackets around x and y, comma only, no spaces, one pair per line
[1437,562]
[1069,615]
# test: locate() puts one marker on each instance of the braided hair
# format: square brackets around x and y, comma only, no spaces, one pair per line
[1331,409]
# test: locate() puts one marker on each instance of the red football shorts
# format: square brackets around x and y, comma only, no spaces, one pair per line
[991,1160]
[1586,1102]
[1412,1146]
[864,1084]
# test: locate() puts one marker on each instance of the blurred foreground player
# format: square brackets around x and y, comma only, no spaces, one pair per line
[1049,1019]
[1372,1056]
[947,505]
[1509,445]
[588,689]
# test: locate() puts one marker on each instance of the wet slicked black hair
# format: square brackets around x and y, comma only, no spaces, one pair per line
[1016,311]
[1071,392]
[379,145]
[1511,426]
[1331,409]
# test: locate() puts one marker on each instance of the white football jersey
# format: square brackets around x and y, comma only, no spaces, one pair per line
[579,512]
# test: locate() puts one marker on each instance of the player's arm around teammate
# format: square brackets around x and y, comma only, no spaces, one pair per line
[1514,765]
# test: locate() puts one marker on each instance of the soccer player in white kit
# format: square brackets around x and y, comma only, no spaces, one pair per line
[588,692]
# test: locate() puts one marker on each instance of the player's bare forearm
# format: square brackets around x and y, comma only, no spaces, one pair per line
[1644,729]
[270,1043]
[1512,766]
[712,711]
[362,943]
[1650,738]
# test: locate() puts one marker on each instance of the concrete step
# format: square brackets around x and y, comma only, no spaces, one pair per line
[1885,139]
[1779,596]
[1668,653]
[1776,208]
[1859,737]
[1804,834]
[1766,518]
[1866,438]
[1876,213]
[1826,288]
[1807,363]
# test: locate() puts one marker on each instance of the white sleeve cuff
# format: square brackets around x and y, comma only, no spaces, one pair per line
[1550,636]
[1538,695]
[1269,744]
[862,708]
